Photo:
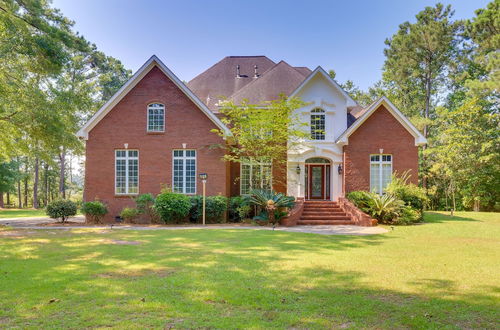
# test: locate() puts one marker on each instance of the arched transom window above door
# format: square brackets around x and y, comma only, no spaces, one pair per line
[317,124]
[317,160]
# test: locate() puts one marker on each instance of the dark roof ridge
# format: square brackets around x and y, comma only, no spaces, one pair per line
[261,75]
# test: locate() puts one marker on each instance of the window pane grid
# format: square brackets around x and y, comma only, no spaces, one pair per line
[127,171]
[184,171]
[255,176]
[156,117]
[317,124]
[380,172]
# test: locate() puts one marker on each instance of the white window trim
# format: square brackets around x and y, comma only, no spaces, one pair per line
[127,157]
[184,158]
[147,118]
[321,112]
[380,163]
[251,173]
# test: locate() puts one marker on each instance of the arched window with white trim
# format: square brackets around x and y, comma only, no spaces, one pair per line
[156,117]
[317,124]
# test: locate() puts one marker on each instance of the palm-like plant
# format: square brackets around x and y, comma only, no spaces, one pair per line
[270,202]
[385,207]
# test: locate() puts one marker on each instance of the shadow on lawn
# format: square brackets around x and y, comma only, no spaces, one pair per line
[219,279]
[435,217]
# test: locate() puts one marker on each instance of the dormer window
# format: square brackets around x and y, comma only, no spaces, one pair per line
[317,124]
[156,117]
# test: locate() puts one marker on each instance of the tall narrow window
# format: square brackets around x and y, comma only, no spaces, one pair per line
[126,172]
[184,171]
[156,117]
[317,124]
[255,176]
[380,172]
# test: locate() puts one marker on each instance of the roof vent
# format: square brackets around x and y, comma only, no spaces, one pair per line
[255,74]
[238,71]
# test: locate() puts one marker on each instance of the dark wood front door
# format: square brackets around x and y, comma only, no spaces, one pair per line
[318,181]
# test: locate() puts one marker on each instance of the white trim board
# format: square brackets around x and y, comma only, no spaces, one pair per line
[419,138]
[319,70]
[132,82]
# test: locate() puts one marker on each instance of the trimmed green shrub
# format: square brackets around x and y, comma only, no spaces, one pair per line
[145,205]
[94,211]
[361,199]
[129,214]
[172,207]
[239,208]
[408,216]
[61,209]
[215,207]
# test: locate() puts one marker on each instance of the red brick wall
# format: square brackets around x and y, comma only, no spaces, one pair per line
[380,131]
[126,123]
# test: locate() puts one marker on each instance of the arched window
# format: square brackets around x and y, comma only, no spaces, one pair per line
[156,117]
[318,124]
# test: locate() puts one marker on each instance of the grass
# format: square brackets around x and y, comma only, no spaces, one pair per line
[443,274]
[19,213]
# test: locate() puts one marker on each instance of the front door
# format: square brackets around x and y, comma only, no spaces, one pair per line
[317,182]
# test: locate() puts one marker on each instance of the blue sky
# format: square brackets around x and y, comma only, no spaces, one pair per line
[190,36]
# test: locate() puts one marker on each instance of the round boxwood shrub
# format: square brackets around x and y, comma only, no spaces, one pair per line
[129,214]
[94,211]
[172,207]
[215,207]
[61,209]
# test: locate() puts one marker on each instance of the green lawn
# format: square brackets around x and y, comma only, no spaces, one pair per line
[18,213]
[440,274]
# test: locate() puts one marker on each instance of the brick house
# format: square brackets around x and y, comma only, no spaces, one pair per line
[156,131]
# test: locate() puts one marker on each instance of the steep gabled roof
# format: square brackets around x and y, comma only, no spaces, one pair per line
[419,138]
[320,71]
[280,79]
[220,80]
[132,82]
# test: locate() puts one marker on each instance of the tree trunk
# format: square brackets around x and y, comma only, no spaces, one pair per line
[26,183]
[1,200]
[46,183]
[8,198]
[62,159]
[35,186]
[19,197]
[453,199]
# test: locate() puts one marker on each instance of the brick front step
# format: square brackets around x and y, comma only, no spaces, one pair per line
[325,222]
[332,212]
[323,209]
[324,217]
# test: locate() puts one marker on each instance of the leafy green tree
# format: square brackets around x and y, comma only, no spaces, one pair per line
[417,57]
[466,154]
[8,176]
[259,131]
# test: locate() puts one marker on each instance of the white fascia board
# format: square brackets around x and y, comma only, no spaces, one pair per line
[132,82]
[319,70]
[419,138]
